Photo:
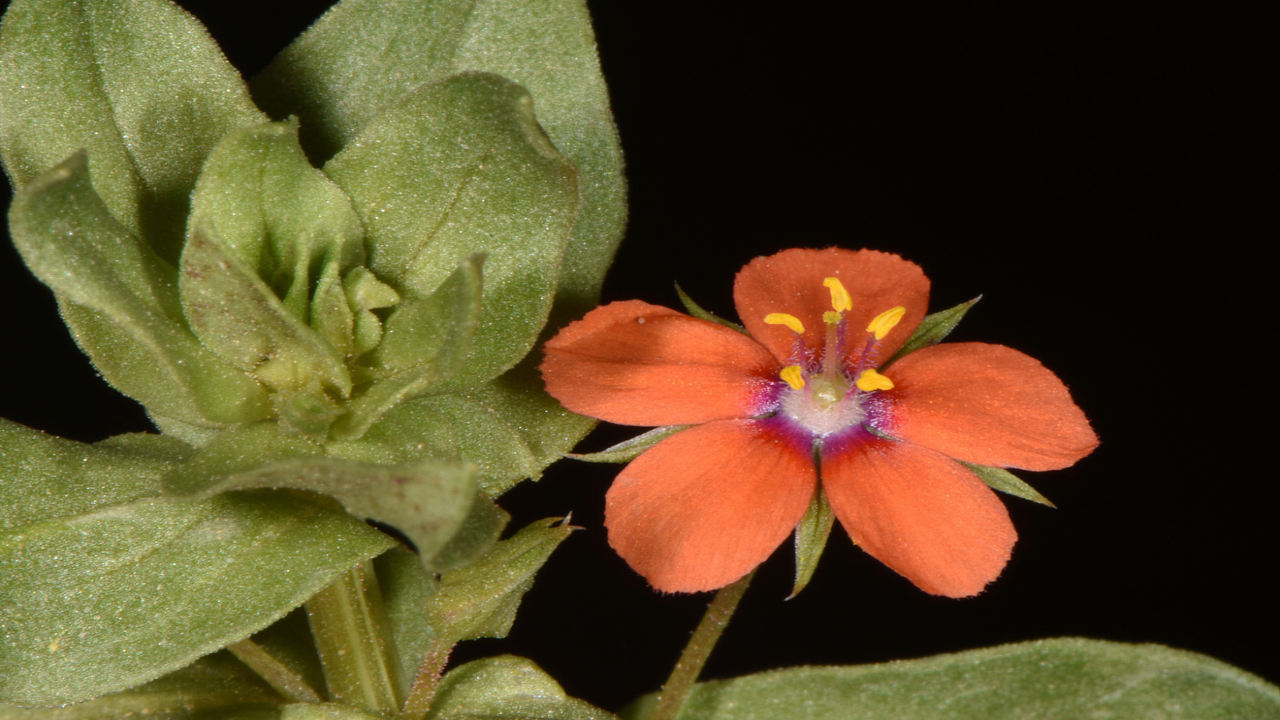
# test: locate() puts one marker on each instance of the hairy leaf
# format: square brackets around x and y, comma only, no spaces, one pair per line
[507,687]
[105,600]
[1061,678]
[138,83]
[459,168]
[365,57]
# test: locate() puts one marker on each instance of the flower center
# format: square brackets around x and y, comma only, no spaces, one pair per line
[825,388]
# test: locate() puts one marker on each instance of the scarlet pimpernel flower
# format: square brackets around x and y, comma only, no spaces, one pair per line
[805,402]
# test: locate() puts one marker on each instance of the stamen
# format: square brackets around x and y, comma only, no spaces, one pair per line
[870,381]
[790,321]
[886,321]
[840,300]
[793,375]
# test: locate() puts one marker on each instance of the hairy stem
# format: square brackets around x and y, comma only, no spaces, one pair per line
[427,680]
[347,621]
[676,690]
[283,680]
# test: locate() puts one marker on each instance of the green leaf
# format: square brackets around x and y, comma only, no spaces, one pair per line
[130,322]
[138,83]
[509,427]
[629,450]
[44,477]
[407,588]
[217,687]
[1060,678]
[448,426]
[460,168]
[811,539]
[283,219]
[506,687]
[480,530]
[235,450]
[933,329]
[545,427]
[105,600]
[365,57]
[1006,482]
[429,501]
[696,310]
[481,599]
[427,341]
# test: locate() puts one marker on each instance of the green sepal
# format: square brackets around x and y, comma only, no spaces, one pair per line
[811,539]
[121,303]
[139,84]
[339,78]
[932,329]
[44,477]
[481,599]
[1059,678]
[696,310]
[628,450]
[458,168]
[1006,482]
[171,581]
[214,686]
[507,687]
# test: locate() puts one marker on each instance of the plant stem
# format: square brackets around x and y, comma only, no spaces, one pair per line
[427,680]
[676,690]
[283,680]
[348,625]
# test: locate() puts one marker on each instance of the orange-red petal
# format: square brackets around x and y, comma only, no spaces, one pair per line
[921,513]
[988,405]
[791,282]
[639,364]
[703,507]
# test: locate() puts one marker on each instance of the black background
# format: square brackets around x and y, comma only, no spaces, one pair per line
[1096,175]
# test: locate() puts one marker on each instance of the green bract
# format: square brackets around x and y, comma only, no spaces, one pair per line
[326,306]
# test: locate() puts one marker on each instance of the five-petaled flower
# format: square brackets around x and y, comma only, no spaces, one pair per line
[804,405]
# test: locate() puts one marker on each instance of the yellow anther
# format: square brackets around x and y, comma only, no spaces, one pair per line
[790,321]
[832,317]
[840,300]
[794,376]
[870,381]
[886,321]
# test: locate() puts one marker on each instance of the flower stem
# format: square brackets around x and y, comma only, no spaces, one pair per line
[349,628]
[289,684]
[427,680]
[676,690]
